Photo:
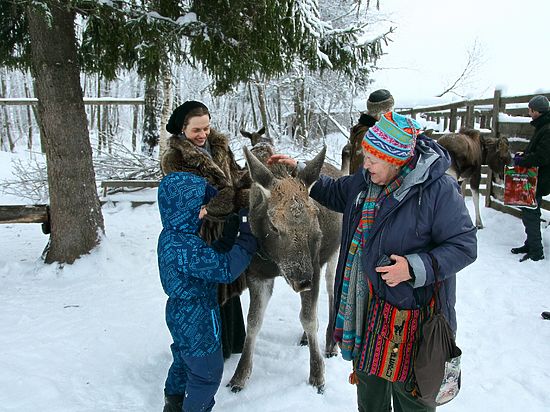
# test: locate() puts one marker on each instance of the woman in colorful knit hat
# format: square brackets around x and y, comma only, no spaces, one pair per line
[379,102]
[402,217]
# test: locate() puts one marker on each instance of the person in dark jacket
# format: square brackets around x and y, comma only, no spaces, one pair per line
[379,102]
[190,271]
[196,147]
[403,206]
[537,154]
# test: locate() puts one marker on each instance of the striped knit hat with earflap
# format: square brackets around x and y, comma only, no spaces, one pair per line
[392,138]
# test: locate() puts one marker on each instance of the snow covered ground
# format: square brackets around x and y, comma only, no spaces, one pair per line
[91,336]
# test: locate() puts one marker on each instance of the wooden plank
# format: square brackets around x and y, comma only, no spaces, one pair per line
[505,209]
[99,101]
[133,203]
[130,183]
[516,129]
[24,214]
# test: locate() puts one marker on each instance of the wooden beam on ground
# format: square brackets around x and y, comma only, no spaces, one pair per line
[118,183]
[24,214]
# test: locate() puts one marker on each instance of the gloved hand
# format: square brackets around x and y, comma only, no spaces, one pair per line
[518,158]
[244,226]
[229,234]
[246,239]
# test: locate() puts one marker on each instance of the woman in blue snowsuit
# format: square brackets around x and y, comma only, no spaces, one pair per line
[190,271]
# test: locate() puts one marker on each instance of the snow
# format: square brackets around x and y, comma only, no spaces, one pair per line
[91,336]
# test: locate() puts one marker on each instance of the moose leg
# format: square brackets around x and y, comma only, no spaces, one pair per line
[260,293]
[308,318]
[330,271]
[474,187]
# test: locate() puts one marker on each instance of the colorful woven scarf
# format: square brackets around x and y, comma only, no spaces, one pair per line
[348,330]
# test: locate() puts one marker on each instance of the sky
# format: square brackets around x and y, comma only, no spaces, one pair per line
[91,336]
[430,47]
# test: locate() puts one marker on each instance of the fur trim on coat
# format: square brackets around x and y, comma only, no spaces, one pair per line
[221,171]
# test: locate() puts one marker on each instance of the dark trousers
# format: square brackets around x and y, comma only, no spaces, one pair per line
[375,394]
[196,378]
[233,330]
[531,222]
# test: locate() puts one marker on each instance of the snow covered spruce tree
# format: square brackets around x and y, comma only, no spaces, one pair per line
[232,40]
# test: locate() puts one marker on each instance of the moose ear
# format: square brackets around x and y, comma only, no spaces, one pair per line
[246,134]
[310,173]
[258,172]
[261,131]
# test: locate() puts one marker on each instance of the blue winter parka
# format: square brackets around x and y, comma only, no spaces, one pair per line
[190,270]
[426,214]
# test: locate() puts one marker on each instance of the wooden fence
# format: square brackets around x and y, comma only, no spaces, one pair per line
[499,116]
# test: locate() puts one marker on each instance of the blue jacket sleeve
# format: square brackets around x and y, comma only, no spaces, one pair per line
[453,233]
[331,193]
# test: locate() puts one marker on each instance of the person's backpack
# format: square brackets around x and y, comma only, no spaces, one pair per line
[436,370]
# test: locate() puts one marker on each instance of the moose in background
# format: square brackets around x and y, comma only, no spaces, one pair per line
[468,151]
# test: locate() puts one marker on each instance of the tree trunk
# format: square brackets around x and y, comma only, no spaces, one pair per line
[150,136]
[7,141]
[263,108]
[299,110]
[29,112]
[76,219]
[252,107]
[167,102]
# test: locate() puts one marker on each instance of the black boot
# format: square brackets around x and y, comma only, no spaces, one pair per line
[173,403]
[521,249]
[533,256]
[545,315]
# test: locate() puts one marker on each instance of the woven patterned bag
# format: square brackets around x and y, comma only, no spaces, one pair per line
[390,339]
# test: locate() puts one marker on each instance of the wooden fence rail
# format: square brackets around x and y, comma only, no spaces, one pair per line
[505,116]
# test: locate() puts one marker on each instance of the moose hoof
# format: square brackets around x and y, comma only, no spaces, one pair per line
[303,340]
[234,388]
[321,389]
[331,354]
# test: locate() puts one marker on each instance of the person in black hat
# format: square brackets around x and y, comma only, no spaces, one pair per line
[196,147]
[379,102]
[537,154]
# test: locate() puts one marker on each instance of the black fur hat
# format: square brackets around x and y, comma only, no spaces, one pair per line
[380,102]
[175,124]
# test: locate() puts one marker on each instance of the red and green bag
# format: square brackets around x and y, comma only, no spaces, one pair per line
[391,338]
[520,186]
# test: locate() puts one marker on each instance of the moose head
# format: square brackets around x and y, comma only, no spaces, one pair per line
[284,219]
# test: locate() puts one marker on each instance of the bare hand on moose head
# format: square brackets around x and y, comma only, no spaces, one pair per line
[282,158]
[395,274]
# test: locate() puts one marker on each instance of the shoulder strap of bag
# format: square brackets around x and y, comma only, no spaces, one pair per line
[437,283]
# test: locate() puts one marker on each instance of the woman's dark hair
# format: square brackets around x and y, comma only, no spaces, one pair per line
[196,112]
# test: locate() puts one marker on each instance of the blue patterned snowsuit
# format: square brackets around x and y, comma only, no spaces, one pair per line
[190,271]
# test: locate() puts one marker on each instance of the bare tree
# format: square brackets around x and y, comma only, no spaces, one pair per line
[465,79]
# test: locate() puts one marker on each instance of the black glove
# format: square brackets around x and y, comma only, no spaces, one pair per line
[244,226]
[229,234]
[246,239]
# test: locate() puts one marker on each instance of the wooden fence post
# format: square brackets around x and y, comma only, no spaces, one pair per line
[469,118]
[452,120]
[496,110]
